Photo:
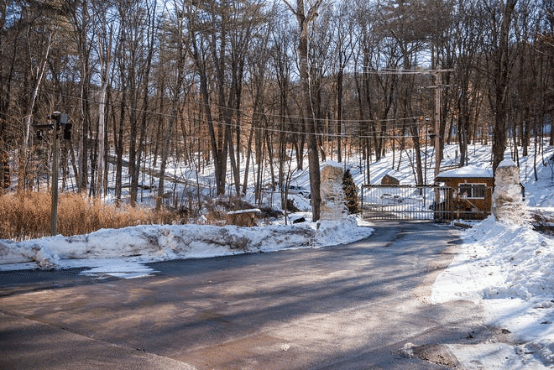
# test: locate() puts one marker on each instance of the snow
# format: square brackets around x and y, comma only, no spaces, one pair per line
[507,162]
[123,252]
[241,211]
[334,164]
[467,171]
[507,269]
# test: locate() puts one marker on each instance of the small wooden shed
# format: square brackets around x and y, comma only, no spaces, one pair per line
[465,193]
[390,178]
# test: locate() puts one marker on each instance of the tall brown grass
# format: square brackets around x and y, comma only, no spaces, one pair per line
[27,215]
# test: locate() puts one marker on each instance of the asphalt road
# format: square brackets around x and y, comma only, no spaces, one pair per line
[354,306]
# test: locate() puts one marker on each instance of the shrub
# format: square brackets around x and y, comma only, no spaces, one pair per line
[350,193]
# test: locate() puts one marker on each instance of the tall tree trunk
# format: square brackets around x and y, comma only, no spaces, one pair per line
[146,98]
[29,119]
[165,153]
[340,78]
[501,78]
[5,102]
[118,138]
[248,155]
[304,21]
[105,71]
[133,129]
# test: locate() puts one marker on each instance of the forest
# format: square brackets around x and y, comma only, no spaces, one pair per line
[242,84]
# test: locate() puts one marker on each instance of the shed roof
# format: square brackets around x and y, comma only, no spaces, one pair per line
[393,175]
[467,171]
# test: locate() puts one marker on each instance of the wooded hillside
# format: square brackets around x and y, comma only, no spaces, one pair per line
[221,81]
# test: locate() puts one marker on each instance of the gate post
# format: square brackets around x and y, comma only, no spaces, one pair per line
[362,201]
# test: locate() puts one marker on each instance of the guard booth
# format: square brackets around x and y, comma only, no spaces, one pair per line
[463,193]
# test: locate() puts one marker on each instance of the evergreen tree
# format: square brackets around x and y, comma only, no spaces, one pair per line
[350,193]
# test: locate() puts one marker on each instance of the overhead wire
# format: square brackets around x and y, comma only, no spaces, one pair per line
[352,125]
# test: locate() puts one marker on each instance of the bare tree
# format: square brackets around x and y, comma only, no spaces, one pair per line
[174,61]
[461,48]
[281,59]
[150,36]
[104,53]
[500,17]
[305,18]
[343,48]
[259,66]
[187,82]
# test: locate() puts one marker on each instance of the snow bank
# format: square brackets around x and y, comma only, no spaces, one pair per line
[523,257]
[158,243]
[508,269]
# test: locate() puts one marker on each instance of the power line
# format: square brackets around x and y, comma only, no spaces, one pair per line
[391,71]
[244,112]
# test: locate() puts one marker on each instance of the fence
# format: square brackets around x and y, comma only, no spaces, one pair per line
[427,202]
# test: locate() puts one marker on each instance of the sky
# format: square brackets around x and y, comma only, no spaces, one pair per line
[506,267]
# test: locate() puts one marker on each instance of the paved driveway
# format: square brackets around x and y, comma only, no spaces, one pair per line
[354,306]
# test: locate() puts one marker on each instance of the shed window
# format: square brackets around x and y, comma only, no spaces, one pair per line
[473,190]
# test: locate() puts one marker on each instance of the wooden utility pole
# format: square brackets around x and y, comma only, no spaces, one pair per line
[59,120]
[54,220]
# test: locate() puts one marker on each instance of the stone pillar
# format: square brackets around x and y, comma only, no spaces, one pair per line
[507,202]
[332,194]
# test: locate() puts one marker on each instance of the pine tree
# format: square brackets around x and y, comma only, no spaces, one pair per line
[350,193]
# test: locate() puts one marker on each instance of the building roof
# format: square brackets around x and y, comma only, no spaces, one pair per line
[467,171]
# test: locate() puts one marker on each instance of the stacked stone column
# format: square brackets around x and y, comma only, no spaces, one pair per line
[333,207]
[507,199]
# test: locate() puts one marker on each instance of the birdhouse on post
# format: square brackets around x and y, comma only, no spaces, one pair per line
[60,119]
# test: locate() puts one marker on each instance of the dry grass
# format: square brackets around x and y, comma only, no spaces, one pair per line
[28,215]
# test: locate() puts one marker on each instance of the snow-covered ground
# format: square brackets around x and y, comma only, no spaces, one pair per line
[506,268]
